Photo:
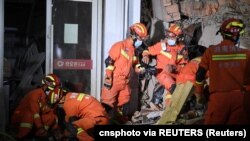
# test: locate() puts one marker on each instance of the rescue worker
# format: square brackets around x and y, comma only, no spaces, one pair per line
[170,57]
[121,59]
[83,112]
[188,72]
[229,77]
[35,114]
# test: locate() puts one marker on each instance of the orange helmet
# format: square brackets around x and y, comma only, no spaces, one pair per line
[51,81]
[139,30]
[232,28]
[174,30]
[56,95]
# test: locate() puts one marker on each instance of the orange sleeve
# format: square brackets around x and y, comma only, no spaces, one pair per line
[155,49]
[115,51]
[35,108]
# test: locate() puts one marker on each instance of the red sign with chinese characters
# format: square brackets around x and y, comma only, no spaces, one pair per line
[73,64]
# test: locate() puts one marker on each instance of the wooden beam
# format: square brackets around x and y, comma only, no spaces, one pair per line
[179,97]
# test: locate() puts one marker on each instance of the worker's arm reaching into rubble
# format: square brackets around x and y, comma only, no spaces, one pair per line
[199,84]
[201,77]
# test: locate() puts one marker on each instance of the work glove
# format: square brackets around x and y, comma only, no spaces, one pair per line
[108,81]
[41,132]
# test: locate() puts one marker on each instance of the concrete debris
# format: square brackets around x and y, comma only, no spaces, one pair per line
[212,23]
[155,114]
[150,117]
[199,8]
[210,14]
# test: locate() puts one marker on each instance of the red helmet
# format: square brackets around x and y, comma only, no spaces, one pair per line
[139,30]
[56,95]
[174,30]
[232,28]
[51,81]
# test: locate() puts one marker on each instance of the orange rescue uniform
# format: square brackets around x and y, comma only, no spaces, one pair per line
[33,110]
[123,55]
[229,68]
[89,112]
[166,55]
[188,72]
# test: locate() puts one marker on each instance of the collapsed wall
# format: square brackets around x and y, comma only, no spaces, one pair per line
[210,13]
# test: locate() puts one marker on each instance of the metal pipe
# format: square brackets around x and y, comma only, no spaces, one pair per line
[2,99]
[49,38]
